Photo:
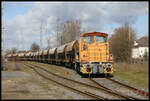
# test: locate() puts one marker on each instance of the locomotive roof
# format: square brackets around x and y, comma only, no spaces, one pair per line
[95,33]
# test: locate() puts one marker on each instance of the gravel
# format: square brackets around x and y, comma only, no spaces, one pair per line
[14,74]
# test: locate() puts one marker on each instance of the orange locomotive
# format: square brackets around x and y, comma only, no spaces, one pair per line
[94,56]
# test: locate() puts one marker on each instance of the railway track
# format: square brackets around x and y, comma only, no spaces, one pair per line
[84,93]
[102,88]
[137,91]
[118,93]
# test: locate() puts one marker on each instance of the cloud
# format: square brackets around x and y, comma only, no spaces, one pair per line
[94,16]
[127,11]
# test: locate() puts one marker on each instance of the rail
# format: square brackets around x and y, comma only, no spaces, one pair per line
[140,92]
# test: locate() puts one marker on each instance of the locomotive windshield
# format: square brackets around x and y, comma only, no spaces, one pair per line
[89,39]
[100,39]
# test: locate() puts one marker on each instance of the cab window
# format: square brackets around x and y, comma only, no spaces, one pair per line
[100,39]
[89,39]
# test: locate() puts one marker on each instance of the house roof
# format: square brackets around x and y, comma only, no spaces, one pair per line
[143,41]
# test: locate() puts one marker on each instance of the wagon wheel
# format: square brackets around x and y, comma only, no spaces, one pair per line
[77,68]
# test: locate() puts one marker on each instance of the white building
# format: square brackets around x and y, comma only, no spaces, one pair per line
[139,49]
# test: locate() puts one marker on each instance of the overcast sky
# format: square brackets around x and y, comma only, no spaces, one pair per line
[22,20]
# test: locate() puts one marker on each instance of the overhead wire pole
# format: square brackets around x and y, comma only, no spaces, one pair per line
[3,43]
[48,42]
[3,36]
[3,40]
[41,36]
[22,40]
[58,26]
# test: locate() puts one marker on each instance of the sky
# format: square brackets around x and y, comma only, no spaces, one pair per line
[22,20]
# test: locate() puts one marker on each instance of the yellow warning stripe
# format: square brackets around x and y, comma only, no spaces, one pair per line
[83,70]
[84,67]
[109,67]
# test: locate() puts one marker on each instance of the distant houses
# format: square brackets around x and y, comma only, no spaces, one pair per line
[140,48]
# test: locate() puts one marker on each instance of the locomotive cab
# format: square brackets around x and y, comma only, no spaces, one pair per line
[94,54]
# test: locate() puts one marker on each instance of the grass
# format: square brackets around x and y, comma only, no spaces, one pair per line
[134,73]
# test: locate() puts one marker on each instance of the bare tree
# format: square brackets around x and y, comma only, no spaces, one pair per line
[35,47]
[70,31]
[14,50]
[122,42]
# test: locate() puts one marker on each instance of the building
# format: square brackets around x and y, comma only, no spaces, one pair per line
[140,48]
